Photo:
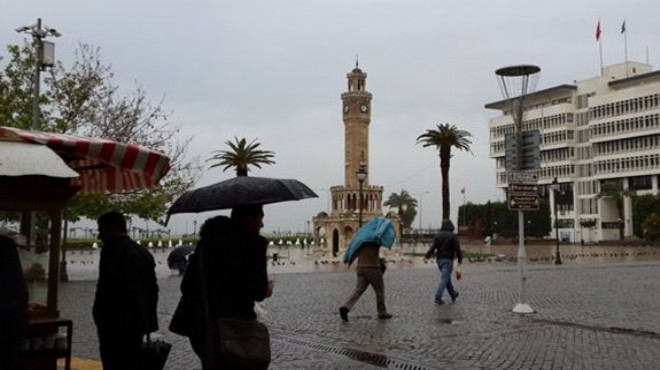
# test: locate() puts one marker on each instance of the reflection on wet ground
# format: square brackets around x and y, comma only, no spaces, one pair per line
[83,265]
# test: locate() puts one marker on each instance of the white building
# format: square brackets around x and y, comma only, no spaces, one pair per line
[597,130]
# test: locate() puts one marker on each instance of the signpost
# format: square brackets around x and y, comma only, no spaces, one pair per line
[523,197]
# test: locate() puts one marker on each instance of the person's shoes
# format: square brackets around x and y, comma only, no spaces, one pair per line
[343,313]
[385,316]
[439,301]
[453,298]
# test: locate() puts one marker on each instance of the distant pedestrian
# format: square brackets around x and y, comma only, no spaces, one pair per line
[368,273]
[13,302]
[126,295]
[446,247]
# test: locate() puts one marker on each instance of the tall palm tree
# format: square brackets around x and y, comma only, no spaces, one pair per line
[403,202]
[614,191]
[241,155]
[445,137]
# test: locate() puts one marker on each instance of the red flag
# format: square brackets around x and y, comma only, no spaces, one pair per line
[598,31]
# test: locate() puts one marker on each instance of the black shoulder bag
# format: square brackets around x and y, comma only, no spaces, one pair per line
[232,343]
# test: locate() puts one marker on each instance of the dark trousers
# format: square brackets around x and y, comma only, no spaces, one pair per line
[13,326]
[119,350]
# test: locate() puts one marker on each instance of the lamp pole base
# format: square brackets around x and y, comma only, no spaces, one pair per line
[523,308]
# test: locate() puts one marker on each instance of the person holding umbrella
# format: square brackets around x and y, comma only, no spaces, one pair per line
[365,246]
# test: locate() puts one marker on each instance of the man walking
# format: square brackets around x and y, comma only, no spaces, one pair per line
[126,295]
[446,247]
[368,273]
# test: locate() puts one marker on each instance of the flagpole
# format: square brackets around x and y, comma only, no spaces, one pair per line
[624,30]
[464,210]
[600,46]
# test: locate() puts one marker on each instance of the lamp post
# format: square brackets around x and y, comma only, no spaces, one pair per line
[194,231]
[44,57]
[361,175]
[555,191]
[421,195]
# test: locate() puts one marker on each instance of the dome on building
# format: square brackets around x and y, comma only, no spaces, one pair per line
[322,214]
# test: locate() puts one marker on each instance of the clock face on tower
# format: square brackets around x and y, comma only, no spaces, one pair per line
[364,108]
[345,108]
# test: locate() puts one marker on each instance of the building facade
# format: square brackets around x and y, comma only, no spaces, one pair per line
[600,130]
[338,227]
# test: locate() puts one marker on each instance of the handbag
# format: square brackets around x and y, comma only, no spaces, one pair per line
[233,343]
[153,354]
[238,344]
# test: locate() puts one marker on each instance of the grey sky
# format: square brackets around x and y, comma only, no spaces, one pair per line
[274,70]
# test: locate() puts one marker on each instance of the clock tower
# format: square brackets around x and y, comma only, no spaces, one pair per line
[353,198]
[357,116]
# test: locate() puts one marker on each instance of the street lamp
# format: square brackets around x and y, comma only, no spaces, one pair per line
[361,175]
[555,190]
[44,57]
[194,231]
[421,195]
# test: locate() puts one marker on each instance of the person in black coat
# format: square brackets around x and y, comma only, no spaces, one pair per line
[234,264]
[446,247]
[13,303]
[126,295]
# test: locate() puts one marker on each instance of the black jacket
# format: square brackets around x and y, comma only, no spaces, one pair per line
[127,290]
[446,244]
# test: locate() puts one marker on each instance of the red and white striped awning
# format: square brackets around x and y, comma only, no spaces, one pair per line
[104,166]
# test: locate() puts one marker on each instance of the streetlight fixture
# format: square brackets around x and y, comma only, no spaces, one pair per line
[194,231]
[421,195]
[361,175]
[44,55]
[555,190]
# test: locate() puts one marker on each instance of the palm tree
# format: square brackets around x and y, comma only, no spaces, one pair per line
[241,156]
[614,191]
[403,202]
[444,137]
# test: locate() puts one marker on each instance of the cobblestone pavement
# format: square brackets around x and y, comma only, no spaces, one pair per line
[590,316]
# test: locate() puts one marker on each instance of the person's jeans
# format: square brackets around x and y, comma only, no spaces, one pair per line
[446,266]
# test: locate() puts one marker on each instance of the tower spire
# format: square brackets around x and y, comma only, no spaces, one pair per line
[357,61]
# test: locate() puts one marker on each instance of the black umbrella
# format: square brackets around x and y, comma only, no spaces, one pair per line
[240,190]
[178,257]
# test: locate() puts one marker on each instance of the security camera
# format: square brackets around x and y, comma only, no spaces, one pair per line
[54,32]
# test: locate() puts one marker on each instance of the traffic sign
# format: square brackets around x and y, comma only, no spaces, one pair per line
[529,150]
[516,177]
[524,189]
[523,202]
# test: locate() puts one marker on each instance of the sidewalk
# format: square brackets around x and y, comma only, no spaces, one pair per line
[590,316]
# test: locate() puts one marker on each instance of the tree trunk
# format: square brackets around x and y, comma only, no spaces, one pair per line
[445,156]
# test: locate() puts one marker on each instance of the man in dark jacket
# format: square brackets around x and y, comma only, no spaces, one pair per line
[13,302]
[126,295]
[445,246]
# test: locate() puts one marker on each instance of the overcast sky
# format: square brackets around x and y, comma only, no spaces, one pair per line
[273,70]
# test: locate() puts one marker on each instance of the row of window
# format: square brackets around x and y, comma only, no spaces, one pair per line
[638,163]
[625,106]
[651,121]
[543,123]
[626,145]
[555,155]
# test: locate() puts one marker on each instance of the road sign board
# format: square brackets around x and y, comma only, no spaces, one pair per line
[529,151]
[524,189]
[524,202]
[516,177]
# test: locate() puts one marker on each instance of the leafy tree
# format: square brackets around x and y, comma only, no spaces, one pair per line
[445,137]
[651,227]
[83,100]
[644,205]
[614,191]
[405,205]
[241,156]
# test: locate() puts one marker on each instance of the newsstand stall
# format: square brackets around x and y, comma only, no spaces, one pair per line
[39,173]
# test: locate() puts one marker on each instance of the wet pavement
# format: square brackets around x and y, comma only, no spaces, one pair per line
[590,315]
